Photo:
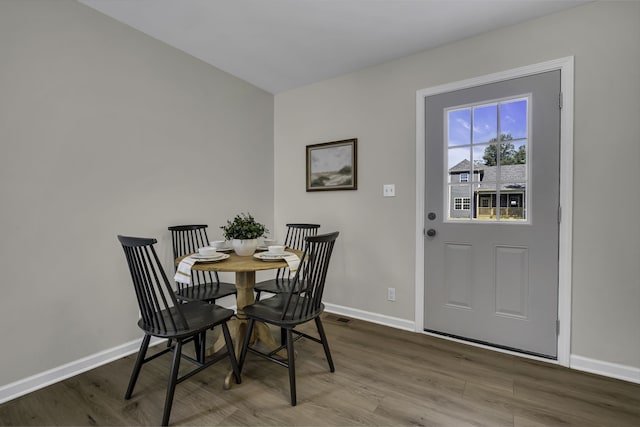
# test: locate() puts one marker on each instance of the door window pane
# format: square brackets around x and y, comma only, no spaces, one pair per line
[479,161]
[487,147]
[513,118]
[513,201]
[458,163]
[520,152]
[485,123]
[459,127]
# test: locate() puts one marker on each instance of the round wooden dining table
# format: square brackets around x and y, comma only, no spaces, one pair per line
[245,268]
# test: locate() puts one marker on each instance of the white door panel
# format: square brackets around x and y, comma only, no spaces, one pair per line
[491,269]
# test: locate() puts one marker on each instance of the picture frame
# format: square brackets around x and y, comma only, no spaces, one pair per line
[333,165]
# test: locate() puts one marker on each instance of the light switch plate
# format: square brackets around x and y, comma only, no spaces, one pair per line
[389,190]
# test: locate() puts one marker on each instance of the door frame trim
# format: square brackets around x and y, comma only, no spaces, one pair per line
[565,65]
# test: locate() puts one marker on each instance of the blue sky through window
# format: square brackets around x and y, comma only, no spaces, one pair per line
[513,120]
[485,123]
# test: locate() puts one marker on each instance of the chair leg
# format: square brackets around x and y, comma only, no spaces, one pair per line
[197,346]
[245,345]
[325,343]
[292,368]
[136,368]
[258,295]
[201,355]
[283,336]
[173,381]
[232,353]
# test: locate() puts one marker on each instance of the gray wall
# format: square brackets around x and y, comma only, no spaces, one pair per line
[377,106]
[105,131]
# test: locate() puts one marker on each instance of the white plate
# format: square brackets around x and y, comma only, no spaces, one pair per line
[216,257]
[227,249]
[266,256]
[263,247]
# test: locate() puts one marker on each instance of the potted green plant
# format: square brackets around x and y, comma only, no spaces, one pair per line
[243,232]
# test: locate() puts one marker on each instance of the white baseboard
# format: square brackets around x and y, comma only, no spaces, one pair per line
[580,363]
[43,379]
[27,385]
[607,369]
[381,319]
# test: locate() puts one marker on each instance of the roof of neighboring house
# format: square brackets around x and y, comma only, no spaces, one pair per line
[512,173]
[463,166]
[512,176]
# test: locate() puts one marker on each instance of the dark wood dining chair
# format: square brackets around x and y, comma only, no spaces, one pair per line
[294,239]
[287,311]
[164,317]
[205,285]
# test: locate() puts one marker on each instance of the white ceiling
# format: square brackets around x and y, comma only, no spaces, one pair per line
[282,44]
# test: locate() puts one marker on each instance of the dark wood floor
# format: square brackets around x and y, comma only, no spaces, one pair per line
[383,377]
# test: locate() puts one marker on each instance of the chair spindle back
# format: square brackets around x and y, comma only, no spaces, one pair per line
[156,300]
[187,239]
[305,297]
[296,233]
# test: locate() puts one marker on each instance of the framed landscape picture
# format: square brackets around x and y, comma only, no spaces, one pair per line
[332,165]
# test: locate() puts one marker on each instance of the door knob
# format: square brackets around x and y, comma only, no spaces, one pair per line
[431,232]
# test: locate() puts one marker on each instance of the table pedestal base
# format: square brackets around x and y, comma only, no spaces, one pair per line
[245,283]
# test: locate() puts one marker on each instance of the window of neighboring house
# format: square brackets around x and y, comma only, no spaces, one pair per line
[462,203]
[491,141]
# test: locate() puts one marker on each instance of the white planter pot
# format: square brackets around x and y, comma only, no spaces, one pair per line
[244,247]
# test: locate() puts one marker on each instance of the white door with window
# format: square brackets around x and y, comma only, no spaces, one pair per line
[492,213]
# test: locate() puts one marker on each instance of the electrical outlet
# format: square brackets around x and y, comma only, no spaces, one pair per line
[389,190]
[391,294]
